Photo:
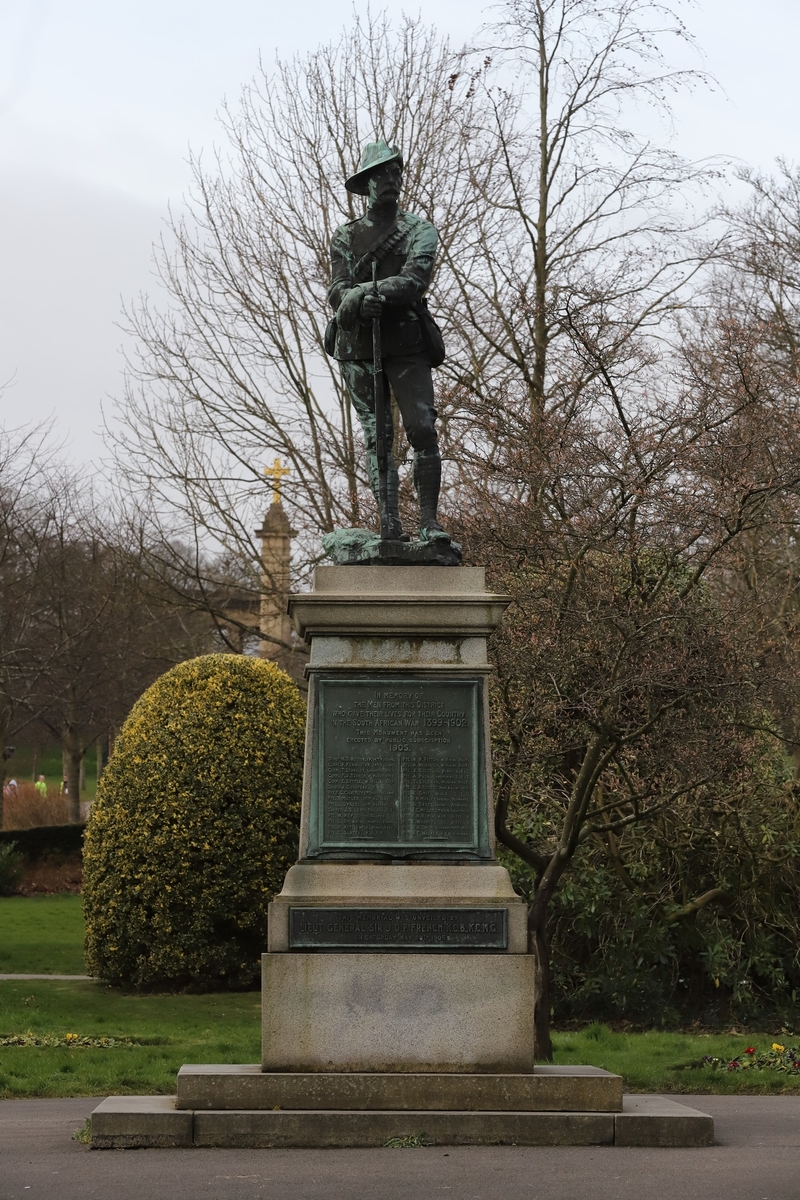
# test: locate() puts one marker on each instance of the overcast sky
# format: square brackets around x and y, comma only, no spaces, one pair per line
[100,100]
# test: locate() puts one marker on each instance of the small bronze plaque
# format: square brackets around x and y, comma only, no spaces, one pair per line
[398,928]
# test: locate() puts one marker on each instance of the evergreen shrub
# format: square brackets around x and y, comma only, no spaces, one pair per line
[617,950]
[194,826]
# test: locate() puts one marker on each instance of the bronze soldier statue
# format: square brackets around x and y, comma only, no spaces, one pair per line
[402,248]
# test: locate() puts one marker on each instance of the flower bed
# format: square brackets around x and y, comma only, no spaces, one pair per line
[778,1058]
[69,1039]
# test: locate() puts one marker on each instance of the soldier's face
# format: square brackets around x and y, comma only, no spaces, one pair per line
[385,183]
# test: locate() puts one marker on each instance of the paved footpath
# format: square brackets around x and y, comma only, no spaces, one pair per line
[757,1158]
[48,976]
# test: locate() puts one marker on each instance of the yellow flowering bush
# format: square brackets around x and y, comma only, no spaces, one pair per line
[194,826]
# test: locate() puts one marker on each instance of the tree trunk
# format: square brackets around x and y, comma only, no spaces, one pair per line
[542,1045]
[100,762]
[5,724]
[72,773]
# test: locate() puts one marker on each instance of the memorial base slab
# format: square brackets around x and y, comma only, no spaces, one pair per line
[127,1122]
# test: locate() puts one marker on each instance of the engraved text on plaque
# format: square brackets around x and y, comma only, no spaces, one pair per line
[398,929]
[398,768]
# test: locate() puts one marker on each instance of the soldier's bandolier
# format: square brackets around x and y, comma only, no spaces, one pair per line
[404,248]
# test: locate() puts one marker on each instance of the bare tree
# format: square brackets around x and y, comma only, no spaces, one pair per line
[550,212]
[81,634]
[761,258]
[630,675]
[102,634]
[25,455]
[582,221]
[231,371]
[754,294]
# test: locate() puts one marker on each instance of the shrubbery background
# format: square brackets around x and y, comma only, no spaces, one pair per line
[196,823]
[194,826]
[622,946]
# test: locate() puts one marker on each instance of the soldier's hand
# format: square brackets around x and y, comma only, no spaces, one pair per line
[371,305]
[349,310]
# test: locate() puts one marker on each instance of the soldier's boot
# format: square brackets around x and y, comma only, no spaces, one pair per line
[393,503]
[392,496]
[427,481]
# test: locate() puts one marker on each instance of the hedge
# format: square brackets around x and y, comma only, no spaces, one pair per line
[194,826]
[42,840]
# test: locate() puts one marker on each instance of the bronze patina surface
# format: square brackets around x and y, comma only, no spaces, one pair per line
[385,339]
[398,769]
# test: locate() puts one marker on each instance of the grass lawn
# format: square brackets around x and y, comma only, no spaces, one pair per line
[661,1062]
[172,1030]
[41,935]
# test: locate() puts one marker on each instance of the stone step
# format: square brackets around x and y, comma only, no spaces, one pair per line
[659,1121]
[126,1122]
[136,1122]
[546,1089]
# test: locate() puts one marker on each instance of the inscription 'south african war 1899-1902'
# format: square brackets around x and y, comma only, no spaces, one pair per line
[398,928]
[398,769]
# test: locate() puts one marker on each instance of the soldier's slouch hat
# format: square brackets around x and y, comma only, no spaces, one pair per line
[374,154]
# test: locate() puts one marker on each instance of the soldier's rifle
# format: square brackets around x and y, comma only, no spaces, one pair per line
[381,449]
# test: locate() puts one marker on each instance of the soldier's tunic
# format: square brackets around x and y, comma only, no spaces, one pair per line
[404,274]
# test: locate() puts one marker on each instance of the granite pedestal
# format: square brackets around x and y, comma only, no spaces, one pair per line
[397,942]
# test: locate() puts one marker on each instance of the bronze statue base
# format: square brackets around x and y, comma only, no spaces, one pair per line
[363,548]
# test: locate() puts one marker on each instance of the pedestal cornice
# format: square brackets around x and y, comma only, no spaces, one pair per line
[400,601]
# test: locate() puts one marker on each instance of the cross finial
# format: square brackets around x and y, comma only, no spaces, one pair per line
[276,473]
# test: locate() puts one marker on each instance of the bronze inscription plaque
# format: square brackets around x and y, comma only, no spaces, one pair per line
[398,767]
[398,928]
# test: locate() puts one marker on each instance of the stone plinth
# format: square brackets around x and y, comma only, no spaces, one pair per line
[397,943]
[397,1012]
[398,990]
